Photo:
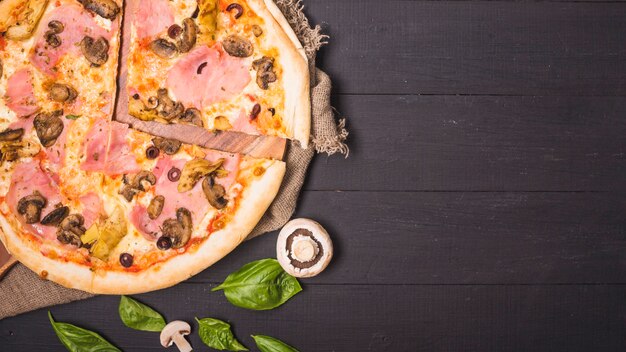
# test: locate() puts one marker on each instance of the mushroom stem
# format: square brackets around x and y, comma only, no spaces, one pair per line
[304,249]
[182,343]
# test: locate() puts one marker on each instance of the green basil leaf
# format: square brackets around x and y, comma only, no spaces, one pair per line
[270,344]
[217,334]
[139,316]
[77,339]
[260,285]
[72,117]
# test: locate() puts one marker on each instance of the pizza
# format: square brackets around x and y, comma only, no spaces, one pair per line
[92,204]
[222,65]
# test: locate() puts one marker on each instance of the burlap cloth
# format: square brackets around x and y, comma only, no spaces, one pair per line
[22,290]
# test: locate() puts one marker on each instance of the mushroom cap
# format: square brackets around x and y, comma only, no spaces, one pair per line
[304,248]
[173,328]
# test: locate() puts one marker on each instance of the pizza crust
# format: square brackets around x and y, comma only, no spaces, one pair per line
[255,200]
[296,84]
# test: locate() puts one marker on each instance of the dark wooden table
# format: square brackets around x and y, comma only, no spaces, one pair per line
[482,207]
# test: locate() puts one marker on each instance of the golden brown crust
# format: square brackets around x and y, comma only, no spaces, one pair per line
[255,200]
[296,84]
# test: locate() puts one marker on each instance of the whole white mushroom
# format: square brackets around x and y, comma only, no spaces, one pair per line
[304,248]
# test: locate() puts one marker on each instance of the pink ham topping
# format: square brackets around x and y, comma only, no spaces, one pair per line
[194,200]
[119,158]
[92,208]
[107,149]
[25,123]
[26,179]
[20,96]
[243,124]
[222,78]
[96,146]
[77,23]
[152,17]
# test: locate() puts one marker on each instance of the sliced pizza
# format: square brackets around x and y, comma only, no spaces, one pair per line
[92,204]
[141,213]
[222,64]
[64,69]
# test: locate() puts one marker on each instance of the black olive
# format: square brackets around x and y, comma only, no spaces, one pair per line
[256,110]
[164,243]
[196,12]
[152,152]
[174,174]
[126,260]
[201,67]
[272,110]
[235,6]
[136,96]
[174,31]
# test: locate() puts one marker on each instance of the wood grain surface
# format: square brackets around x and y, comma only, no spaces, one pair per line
[483,204]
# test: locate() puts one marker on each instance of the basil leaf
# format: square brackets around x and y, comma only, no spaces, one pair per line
[77,339]
[139,316]
[72,117]
[270,344]
[217,334]
[260,285]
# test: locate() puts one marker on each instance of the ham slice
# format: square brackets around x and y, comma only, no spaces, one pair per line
[193,200]
[107,149]
[222,78]
[96,146]
[26,179]
[77,23]
[25,123]
[92,208]
[20,96]
[152,17]
[243,124]
[119,157]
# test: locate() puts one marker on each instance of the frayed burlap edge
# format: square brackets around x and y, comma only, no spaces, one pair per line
[311,38]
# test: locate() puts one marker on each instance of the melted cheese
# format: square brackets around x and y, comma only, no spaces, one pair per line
[96,91]
[147,72]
